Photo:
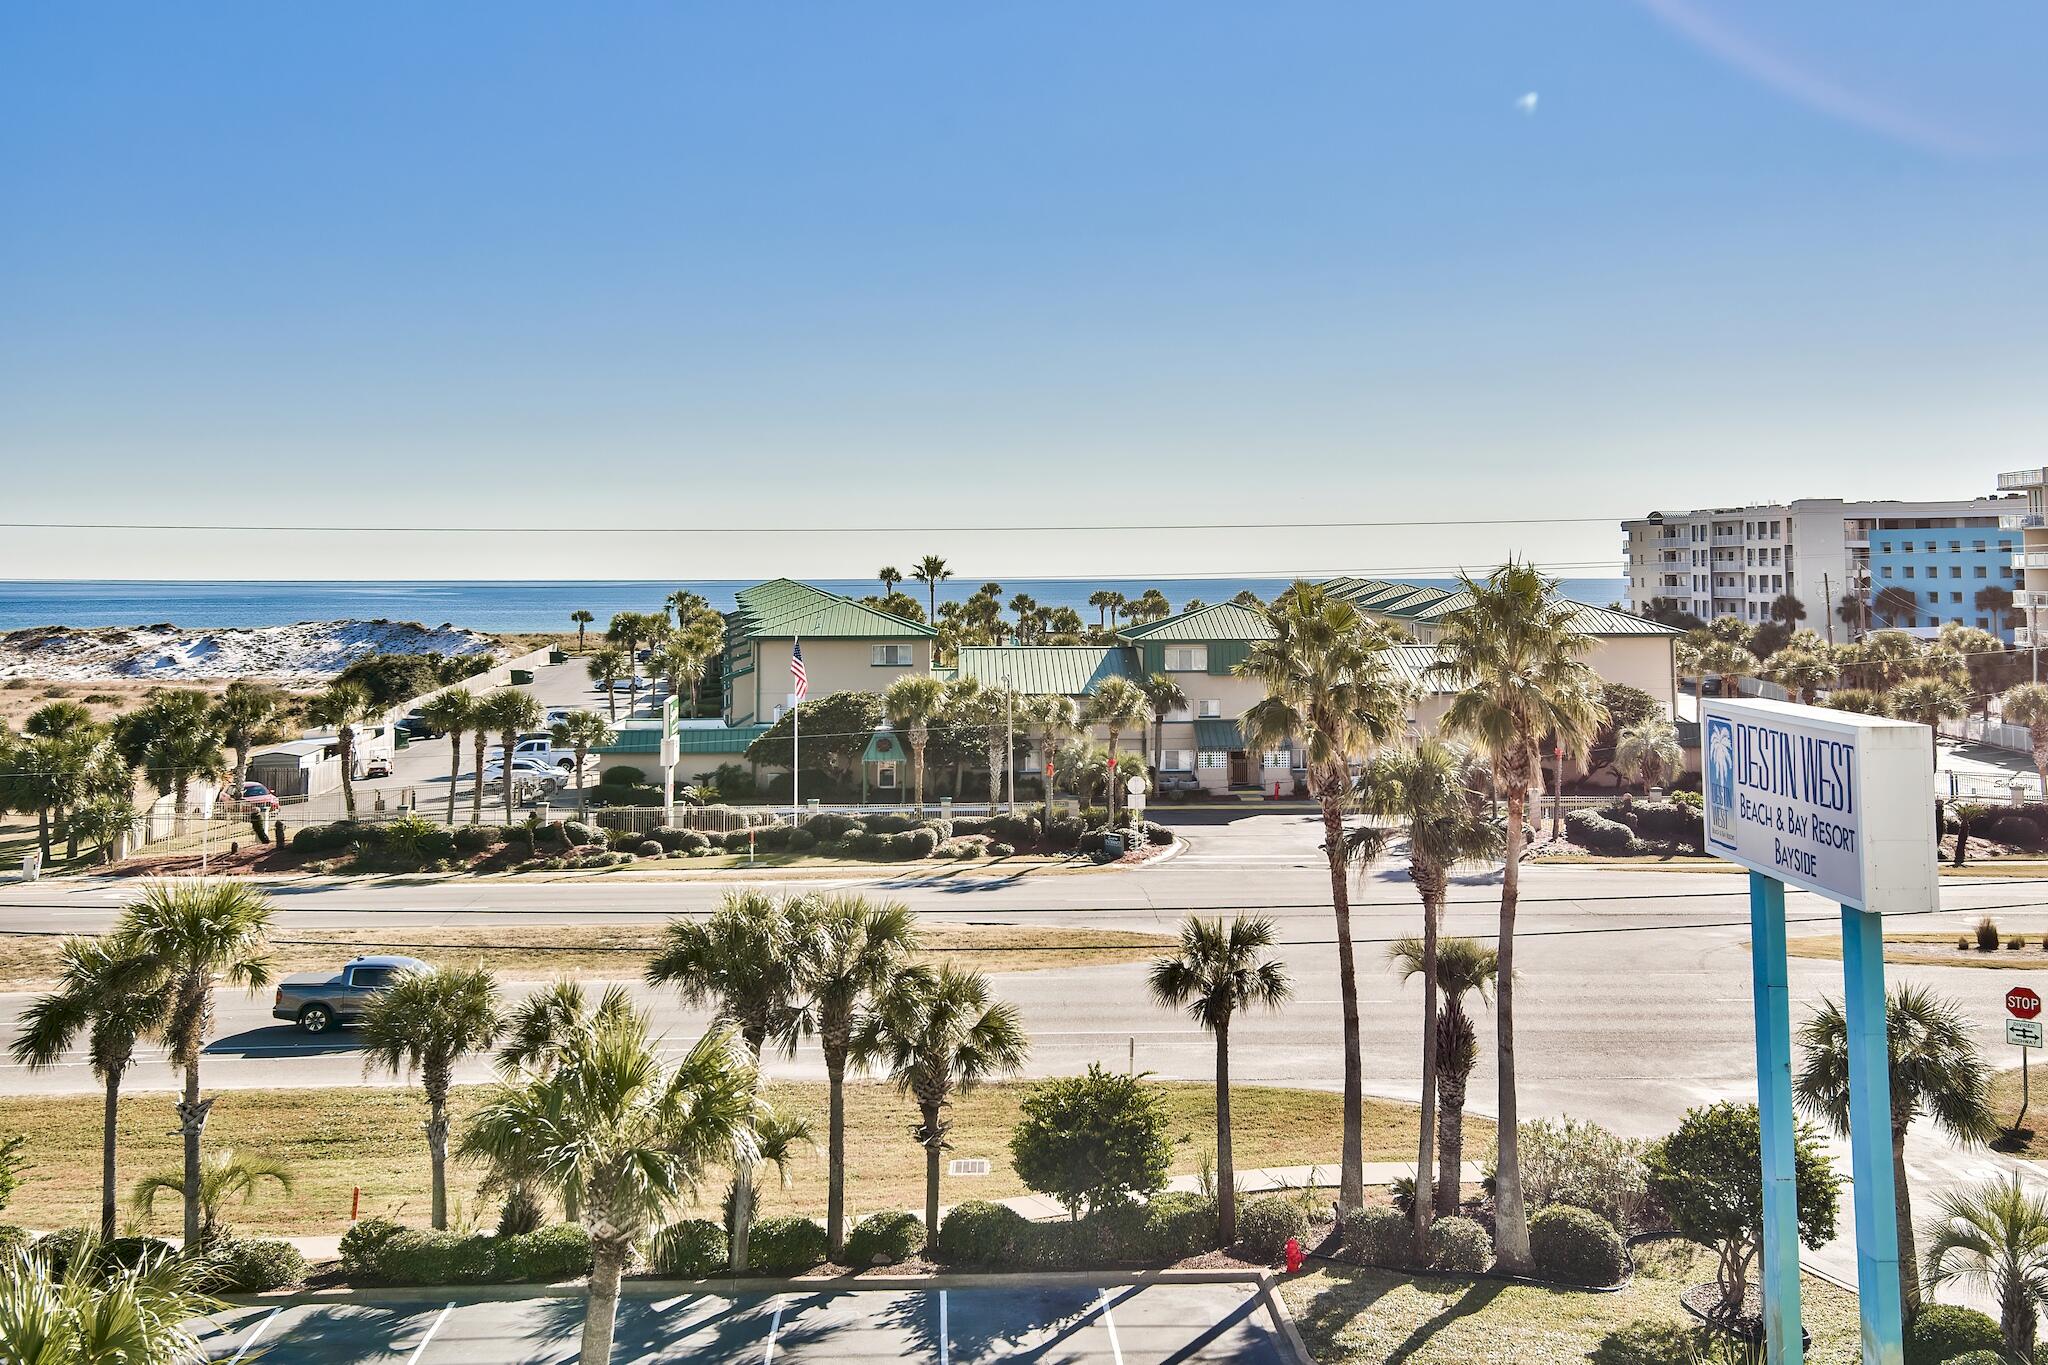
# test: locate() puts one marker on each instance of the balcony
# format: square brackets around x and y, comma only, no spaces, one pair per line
[2030,559]
[2030,601]
[2022,521]
[2022,478]
[2022,638]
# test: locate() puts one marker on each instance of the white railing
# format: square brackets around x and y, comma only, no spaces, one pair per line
[2030,559]
[2021,521]
[2023,478]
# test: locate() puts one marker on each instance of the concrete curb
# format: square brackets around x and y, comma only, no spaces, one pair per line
[1283,1316]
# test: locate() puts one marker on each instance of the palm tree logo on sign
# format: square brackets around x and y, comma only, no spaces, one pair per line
[1721,780]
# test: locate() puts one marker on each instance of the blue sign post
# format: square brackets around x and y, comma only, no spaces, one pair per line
[1841,805]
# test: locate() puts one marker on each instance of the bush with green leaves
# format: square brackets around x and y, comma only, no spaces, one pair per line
[980,1233]
[1092,1141]
[1590,829]
[1979,1358]
[1002,850]
[560,1251]
[1573,1161]
[377,1251]
[363,1244]
[1014,829]
[1942,1332]
[1575,1246]
[1265,1224]
[469,838]
[13,1161]
[884,1239]
[921,843]
[1179,1224]
[786,1246]
[691,1249]
[1378,1235]
[1157,834]
[1459,1244]
[13,1239]
[622,775]
[255,1265]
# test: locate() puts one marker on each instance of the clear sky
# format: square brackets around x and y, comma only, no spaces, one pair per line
[885,266]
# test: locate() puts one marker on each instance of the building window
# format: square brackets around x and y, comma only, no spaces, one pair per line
[1983,624]
[1930,547]
[889,656]
[1212,708]
[1977,572]
[1909,571]
[1176,760]
[1188,659]
[885,776]
[1884,571]
[1955,597]
[1955,546]
[1179,714]
[1934,597]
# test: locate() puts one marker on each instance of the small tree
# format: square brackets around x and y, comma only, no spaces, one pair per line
[2027,705]
[580,733]
[1092,1140]
[1708,1175]
[1648,750]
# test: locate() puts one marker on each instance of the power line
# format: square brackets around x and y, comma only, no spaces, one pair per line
[210,527]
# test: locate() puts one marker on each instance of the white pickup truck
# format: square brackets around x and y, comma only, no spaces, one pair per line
[539,748]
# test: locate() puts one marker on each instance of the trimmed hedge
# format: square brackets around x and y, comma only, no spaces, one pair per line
[624,775]
[1378,1235]
[13,1238]
[1943,1331]
[1179,1225]
[1590,829]
[256,1266]
[885,1239]
[785,1246]
[378,1251]
[1575,1246]
[1264,1225]
[979,1233]
[1459,1244]
[691,1249]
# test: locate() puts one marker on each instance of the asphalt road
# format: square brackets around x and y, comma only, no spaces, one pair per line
[1084,1324]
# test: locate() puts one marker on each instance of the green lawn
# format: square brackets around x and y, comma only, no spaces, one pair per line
[1358,1316]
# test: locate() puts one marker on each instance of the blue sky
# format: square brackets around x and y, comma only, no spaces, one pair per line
[887,266]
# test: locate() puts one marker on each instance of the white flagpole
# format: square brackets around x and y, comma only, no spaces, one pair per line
[796,737]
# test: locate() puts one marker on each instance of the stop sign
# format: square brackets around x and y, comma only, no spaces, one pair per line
[2022,1003]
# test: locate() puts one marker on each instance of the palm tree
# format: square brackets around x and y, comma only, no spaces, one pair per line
[99,1314]
[226,1179]
[861,947]
[890,576]
[1162,694]
[510,712]
[1516,651]
[1936,1071]
[1100,600]
[1053,717]
[1647,750]
[1463,967]
[1801,672]
[582,620]
[173,739]
[626,630]
[1331,691]
[1422,792]
[912,703]
[1895,602]
[1117,603]
[342,706]
[604,666]
[535,1032]
[1221,969]
[750,960]
[238,716]
[931,571]
[990,710]
[452,712]
[938,1035]
[1994,1239]
[1787,609]
[183,936]
[581,732]
[114,1004]
[427,1022]
[1730,662]
[2027,704]
[621,1134]
[1116,704]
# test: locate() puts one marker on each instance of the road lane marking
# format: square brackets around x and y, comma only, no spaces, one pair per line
[774,1328]
[255,1334]
[1116,1350]
[945,1333]
[421,1349]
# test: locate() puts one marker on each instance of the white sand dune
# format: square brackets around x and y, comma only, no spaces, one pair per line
[306,652]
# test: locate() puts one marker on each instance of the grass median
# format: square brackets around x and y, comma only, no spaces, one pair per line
[1936,950]
[340,1140]
[1358,1316]
[615,951]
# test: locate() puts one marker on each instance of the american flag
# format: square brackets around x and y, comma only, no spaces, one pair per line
[796,669]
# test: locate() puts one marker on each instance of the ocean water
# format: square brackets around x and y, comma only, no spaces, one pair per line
[533,606]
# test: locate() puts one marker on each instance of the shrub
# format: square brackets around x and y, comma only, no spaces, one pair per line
[890,822]
[1377,1235]
[1590,829]
[364,1242]
[691,1249]
[624,775]
[521,1212]
[378,1251]
[2016,830]
[478,838]
[1977,1358]
[885,1239]
[1987,935]
[1014,829]
[1092,1140]
[1001,850]
[801,841]
[1575,1162]
[1962,941]
[1264,1225]
[1943,1331]
[2015,943]
[922,843]
[256,1266]
[1065,831]
[1179,1225]
[1459,1244]
[557,1252]
[980,1233]
[693,843]
[829,825]
[964,825]
[13,1239]
[785,1246]
[577,832]
[1575,1246]
[649,848]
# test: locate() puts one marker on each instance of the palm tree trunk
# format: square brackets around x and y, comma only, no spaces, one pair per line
[1226,1164]
[43,830]
[1351,1185]
[835,1156]
[1909,1255]
[1424,1203]
[437,1153]
[582,800]
[110,1122]
[1511,1218]
[241,765]
[191,1123]
[348,776]
[600,1318]
[478,742]
[511,738]
[1450,1127]
[454,771]
[932,1142]
[1109,779]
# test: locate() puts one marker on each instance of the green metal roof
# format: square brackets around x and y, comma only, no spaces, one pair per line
[1214,735]
[1590,619]
[633,737]
[724,739]
[1221,621]
[1058,670]
[885,747]
[1412,663]
[785,607]
[1383,596]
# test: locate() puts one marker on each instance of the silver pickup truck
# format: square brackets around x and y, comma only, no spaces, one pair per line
[317,1001]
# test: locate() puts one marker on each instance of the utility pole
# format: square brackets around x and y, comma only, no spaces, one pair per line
[1827,595]
[1010,745]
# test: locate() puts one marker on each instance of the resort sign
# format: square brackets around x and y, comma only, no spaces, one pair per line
[1830,801]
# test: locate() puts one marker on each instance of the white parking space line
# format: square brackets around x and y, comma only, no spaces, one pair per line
[421,1349]
[945,1333]
[255,1334]
[774,1329]
[1116,1349]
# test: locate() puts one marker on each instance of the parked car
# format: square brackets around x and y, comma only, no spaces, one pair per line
[318,1001]
[255,794]
[415,725]
[1178,787]
[541,749]
[377,765]
[542,775]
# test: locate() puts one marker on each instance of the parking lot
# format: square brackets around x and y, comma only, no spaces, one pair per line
[1083,1324]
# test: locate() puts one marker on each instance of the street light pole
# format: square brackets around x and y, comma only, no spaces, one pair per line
[1010,745]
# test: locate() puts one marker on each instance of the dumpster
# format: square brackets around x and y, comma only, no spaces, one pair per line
[558,655]
[401,739]
[522,677]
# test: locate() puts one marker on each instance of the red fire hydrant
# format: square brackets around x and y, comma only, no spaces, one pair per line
[1294,1255]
